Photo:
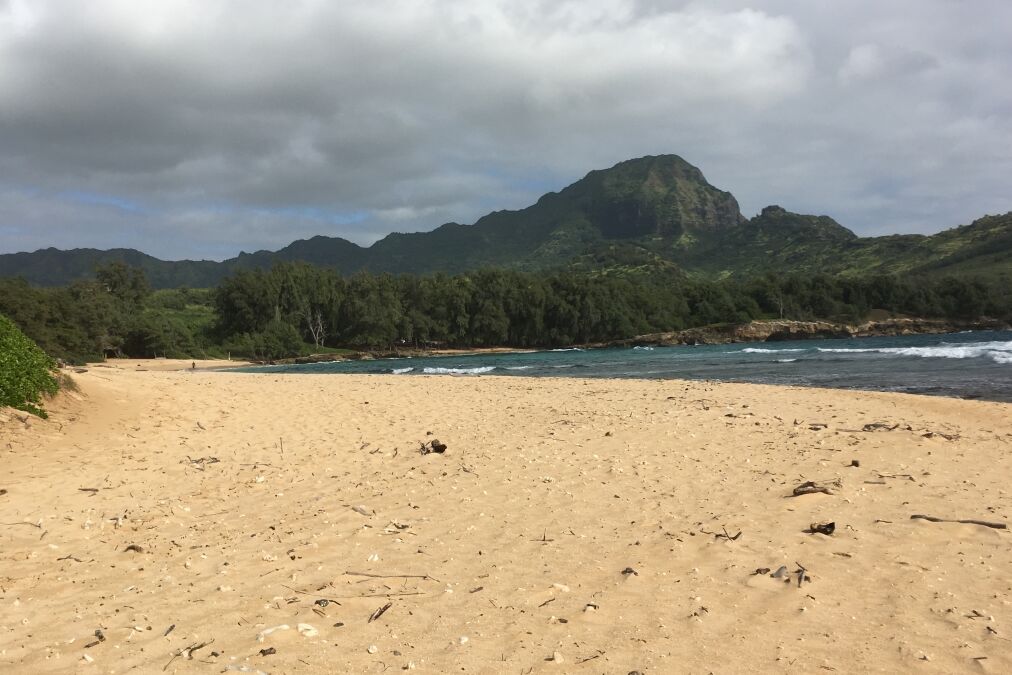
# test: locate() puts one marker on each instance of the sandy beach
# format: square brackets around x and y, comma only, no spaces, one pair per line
[204,522]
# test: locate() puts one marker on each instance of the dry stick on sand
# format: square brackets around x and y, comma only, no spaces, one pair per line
[391,576]
[379,612]
[985,523]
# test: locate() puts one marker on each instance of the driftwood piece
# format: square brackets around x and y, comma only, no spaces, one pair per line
[811,487]
[985,523]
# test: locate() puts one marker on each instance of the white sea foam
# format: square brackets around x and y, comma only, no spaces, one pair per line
[458,371]
[999,352]
[786,360]
[401,371]
[518,367]
[760,350]
[567,349]
[643,348]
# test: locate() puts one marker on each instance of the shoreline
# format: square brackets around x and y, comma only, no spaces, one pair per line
[570,526]
[772,330]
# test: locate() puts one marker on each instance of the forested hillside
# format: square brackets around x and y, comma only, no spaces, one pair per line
[643,213]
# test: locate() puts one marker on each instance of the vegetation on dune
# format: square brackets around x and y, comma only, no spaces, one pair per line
[26,372]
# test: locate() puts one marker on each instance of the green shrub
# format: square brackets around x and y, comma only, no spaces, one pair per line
[26,372]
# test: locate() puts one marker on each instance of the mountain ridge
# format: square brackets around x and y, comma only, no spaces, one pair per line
[643,212]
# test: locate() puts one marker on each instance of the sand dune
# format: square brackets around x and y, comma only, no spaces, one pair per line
[570,526]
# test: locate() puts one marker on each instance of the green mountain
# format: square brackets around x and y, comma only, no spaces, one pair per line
[640,214]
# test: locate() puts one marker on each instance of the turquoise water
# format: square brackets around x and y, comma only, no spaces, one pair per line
[966,365]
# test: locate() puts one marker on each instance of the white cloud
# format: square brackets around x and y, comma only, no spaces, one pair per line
[238,114]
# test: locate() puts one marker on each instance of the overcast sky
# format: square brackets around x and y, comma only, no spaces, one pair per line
[199,128]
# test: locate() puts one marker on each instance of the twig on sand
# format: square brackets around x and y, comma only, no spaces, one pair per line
[391,576]
[985,523]
[722,535]
[312,595]
[379,612]
[187,652]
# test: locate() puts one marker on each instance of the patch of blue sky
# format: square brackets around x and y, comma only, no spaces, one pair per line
[98,199]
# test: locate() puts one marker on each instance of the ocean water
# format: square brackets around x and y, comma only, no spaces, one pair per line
[976,364]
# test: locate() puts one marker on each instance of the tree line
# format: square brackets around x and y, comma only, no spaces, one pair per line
[297,308]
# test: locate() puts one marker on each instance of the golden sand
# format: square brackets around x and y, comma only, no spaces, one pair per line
[585,526]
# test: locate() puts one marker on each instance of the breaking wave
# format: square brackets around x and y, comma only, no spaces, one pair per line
[401,371]
[760,350]
[458,371]
[999,352]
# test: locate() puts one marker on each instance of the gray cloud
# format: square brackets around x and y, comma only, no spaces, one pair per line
[199,128]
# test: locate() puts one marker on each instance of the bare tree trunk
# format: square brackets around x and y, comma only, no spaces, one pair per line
[316,326]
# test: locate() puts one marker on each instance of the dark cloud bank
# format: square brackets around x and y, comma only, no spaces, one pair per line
[196,129]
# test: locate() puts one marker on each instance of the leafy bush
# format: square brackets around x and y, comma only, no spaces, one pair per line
[26,372]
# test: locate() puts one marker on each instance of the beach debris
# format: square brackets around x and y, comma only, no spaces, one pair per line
[761,570]
[93,491]
[186,652]
[932,434]
[268,651]
[432,446]
[199,463]
[855,463]
[362,510]
[985,523]
[307,630]
[725,535]
[372,649]
[822,528]
[322,602]
[811,487]
[3,491]
[556,657]
[390,576]
[628,571]
[880,426]
[802,574]
[780,573]
[262,635]
[244,668]
[135,548]
[100,638]
[379,612]
[169,630]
